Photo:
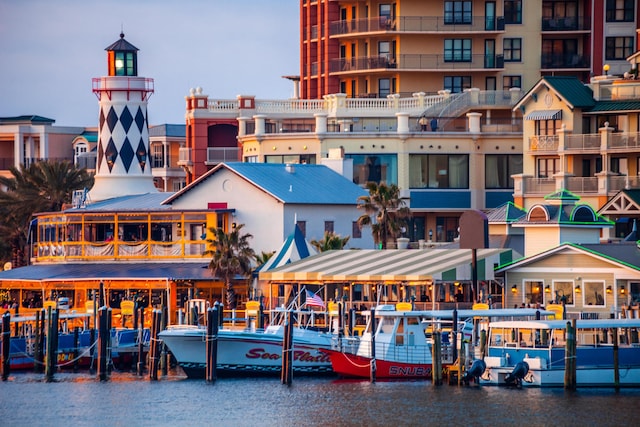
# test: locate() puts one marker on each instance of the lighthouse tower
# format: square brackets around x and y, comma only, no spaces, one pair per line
[122,166]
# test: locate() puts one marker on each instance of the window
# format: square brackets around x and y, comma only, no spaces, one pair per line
[563,293]
[328,226]
[499,168]
[157,155]
[618,48]
[512,50]
[302,225]
[385,11]
[513,11]
[593,294]
[457,12]
[385,87]
[620,10]
[547,127]
[179,184]
[356,231]
[534,292]
[511,81]
[457,50]
[457,84]
[374,168]
[79,149]
[439,171]
[547,167]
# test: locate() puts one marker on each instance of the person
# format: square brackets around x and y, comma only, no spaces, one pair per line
[423,123]
[434,124]
[459,296]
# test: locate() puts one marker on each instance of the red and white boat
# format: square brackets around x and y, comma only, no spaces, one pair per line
[403,341]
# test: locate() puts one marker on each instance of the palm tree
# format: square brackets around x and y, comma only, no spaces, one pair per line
[330,241]
[264,257]
[385,205]
[230,256]
[41,187]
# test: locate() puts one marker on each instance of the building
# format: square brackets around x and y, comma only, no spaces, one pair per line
[165,142]
[377,48]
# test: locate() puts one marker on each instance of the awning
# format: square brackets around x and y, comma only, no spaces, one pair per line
[293,249]
[544,115]
[387,265]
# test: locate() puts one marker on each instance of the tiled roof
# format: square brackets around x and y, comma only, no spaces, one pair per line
[614,106]
[573,90]
[297,184]
[508,212]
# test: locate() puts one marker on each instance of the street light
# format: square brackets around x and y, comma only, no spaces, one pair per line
[606,69]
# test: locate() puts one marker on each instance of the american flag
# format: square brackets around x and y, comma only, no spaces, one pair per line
[314,300]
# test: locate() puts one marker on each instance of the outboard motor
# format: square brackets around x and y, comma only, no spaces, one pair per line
[519,371]
[475,372]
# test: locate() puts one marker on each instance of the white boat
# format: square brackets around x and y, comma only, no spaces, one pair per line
[533,353]
[250,351]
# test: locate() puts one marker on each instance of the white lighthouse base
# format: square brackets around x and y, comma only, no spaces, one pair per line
[109,187]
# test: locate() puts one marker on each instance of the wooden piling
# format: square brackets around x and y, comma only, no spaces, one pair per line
[287,350]
[141,358]
[372,363]
[104,336]
[261,317]
[52,329]
[163,348]
[436,358]
[570,357]
[154,347]
[6,345]
[616,361]
[212,344]
[76,342]
[37,344]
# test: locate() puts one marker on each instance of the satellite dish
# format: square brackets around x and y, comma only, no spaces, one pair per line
[7,266]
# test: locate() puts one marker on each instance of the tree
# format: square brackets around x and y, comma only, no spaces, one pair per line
[330,241]
[230,256]
[264,257]
[44,186]
[387,209]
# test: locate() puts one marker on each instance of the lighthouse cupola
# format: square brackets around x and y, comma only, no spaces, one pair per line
[122,164]
[123,58]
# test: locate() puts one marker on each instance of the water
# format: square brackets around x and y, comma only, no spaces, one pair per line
[81,400]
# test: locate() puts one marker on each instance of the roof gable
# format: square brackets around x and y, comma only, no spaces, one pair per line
[625,202]
[571,90]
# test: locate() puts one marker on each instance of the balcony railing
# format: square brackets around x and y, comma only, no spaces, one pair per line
[543,143]
[583,142]
[417,62]
[624,141]
[568,23]
[582,185]
[420,24]
[564,60]
[223,154]
[539,185]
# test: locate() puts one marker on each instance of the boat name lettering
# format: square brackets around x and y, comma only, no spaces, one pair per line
[409,371]
[299,355]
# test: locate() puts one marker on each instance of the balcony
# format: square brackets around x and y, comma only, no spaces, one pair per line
[564,61]
[603,184]
[419,24]
[543,144]
[568,23]
[418,62]
[217,155]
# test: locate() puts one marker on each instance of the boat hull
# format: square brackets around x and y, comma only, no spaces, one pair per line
[585,377]
[247,352]
[355,366]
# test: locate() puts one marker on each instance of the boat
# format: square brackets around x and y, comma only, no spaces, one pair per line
[251,350]
[404,340]
[533,353]
[123,344]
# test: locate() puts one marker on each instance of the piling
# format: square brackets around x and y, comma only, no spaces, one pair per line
[154,348]
[436,358]
[483,343]
[163,348]
[92,348]
[6,345]
[616,361]
[372,364]
[37,345]
[103,342]
[212,344]
[352,321]
[141,359]
[570,357]
[261,316]
[52,350]
[287,350]
[76,342]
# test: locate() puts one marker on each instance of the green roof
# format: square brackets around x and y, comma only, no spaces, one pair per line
[601,106]
[573,90]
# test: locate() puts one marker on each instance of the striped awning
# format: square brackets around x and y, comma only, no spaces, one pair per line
[406,265]
[544,115]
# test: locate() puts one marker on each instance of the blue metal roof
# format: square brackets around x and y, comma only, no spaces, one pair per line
[136,202]
[295,184]
[106,271]
[168,130]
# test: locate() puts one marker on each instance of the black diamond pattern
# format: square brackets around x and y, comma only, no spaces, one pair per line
[111,153]
[112,119]
[141,154]
[126,119]
[126,154]
[140,120]
[101,118]
[100,153]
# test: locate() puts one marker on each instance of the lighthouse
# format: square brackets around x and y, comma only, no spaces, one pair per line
[122,166]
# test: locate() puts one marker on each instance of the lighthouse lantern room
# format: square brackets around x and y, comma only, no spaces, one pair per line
[122,166]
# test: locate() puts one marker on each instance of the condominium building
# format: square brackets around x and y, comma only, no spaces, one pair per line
[376,48]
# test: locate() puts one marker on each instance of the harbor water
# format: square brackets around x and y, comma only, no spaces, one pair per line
[126,400]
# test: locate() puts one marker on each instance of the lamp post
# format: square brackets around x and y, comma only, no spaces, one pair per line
[606,69]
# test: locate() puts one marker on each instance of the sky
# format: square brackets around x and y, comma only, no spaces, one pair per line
[51,49]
